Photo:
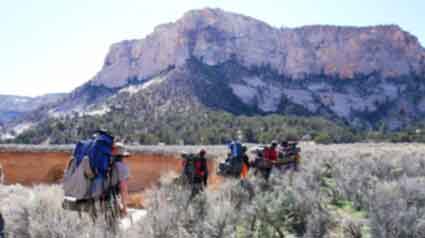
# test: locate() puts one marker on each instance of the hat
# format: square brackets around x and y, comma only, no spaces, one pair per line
[119,149]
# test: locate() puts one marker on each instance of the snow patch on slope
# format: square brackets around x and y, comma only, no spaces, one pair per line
[98,112]
[154,81]
[19,129]
[55,114]
[133,89]
[16,130]
[6,136]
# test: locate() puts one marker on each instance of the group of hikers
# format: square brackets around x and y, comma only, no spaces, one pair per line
[283,157]
[96,178]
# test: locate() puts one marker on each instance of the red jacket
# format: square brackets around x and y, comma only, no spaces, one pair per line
[270,154]
[200,168]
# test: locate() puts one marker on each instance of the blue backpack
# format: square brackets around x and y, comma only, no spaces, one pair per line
[99,152]
[235,149]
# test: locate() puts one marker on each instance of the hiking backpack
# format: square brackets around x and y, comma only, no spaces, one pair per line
[232,166]
[189,165]
[235,149]
[88,170]
[98,150]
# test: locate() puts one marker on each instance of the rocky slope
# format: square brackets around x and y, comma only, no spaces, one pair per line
[212,59]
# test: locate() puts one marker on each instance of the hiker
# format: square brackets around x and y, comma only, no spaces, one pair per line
[203,167]
[200,180]
[232,166]
[120,175]
[271,155]
[283,148]
[195,171]
[290,154]
[1,226]
[245,163]
[93,182]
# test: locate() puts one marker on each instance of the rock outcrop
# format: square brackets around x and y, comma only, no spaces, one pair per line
[214,36]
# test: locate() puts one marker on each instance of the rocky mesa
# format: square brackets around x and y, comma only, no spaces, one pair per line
[214,37]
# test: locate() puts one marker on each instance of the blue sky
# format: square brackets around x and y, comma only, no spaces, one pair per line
[57,45]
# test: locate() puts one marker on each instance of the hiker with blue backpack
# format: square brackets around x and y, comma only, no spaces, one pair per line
[95,180]
[237,162]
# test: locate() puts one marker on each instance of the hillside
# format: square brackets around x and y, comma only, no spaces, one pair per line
[212,61]
[14,107]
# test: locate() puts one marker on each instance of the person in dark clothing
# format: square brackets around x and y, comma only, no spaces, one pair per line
[1,226]
[245,163]
[201,169]
[196,171]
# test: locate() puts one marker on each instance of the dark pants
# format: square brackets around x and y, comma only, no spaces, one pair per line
[266,173]
[1,226]
[198,184]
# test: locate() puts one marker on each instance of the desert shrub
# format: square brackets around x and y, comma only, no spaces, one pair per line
[357,190]
[352,229]
[281,207]
[295,203]
[173,213]
[397,209]
[38,213]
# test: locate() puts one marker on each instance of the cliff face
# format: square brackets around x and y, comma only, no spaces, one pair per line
[214,36]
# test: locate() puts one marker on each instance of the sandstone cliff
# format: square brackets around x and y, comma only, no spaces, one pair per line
[214,36]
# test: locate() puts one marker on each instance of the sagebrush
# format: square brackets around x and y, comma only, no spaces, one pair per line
[353,190]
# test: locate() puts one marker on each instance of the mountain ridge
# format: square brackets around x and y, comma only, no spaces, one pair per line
[13,107]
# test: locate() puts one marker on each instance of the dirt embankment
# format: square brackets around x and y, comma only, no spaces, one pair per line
[37,167]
